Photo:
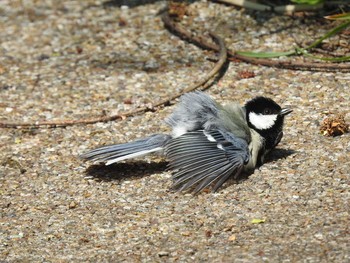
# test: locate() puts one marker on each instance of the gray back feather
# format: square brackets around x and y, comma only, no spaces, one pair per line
[195,111]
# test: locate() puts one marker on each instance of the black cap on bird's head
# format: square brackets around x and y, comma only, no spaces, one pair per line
[266,117]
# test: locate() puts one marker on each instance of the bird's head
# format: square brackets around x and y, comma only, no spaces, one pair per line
[266,117]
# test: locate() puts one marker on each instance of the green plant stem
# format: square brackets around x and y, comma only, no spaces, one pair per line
[301,51]
[329,34]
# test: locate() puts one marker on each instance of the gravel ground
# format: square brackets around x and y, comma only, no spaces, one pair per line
[78,59]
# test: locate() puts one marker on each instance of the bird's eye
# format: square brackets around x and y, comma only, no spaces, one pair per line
[267,111]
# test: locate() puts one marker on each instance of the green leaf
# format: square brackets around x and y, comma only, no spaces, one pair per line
[257,221]
[252,54]
[308,2]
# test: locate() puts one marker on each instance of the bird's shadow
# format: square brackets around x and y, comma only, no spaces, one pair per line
[130,170]
[277,154]
[129,3]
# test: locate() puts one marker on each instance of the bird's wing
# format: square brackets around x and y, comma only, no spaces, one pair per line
[204,158]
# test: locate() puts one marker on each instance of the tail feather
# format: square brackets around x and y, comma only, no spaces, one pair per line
[118,152]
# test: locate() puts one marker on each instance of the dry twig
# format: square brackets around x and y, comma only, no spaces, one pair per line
[203,84]
[203,42]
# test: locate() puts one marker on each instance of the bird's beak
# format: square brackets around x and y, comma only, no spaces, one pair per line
[286,111]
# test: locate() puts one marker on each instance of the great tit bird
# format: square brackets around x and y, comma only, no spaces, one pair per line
[209,142]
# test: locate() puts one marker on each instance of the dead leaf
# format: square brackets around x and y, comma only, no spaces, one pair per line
[334,126]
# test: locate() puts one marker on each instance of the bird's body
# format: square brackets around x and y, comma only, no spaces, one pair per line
[209,142]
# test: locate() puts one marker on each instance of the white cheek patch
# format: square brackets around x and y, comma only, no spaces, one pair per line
[262,122]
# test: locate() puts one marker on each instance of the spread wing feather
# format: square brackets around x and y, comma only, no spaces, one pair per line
[205,158]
